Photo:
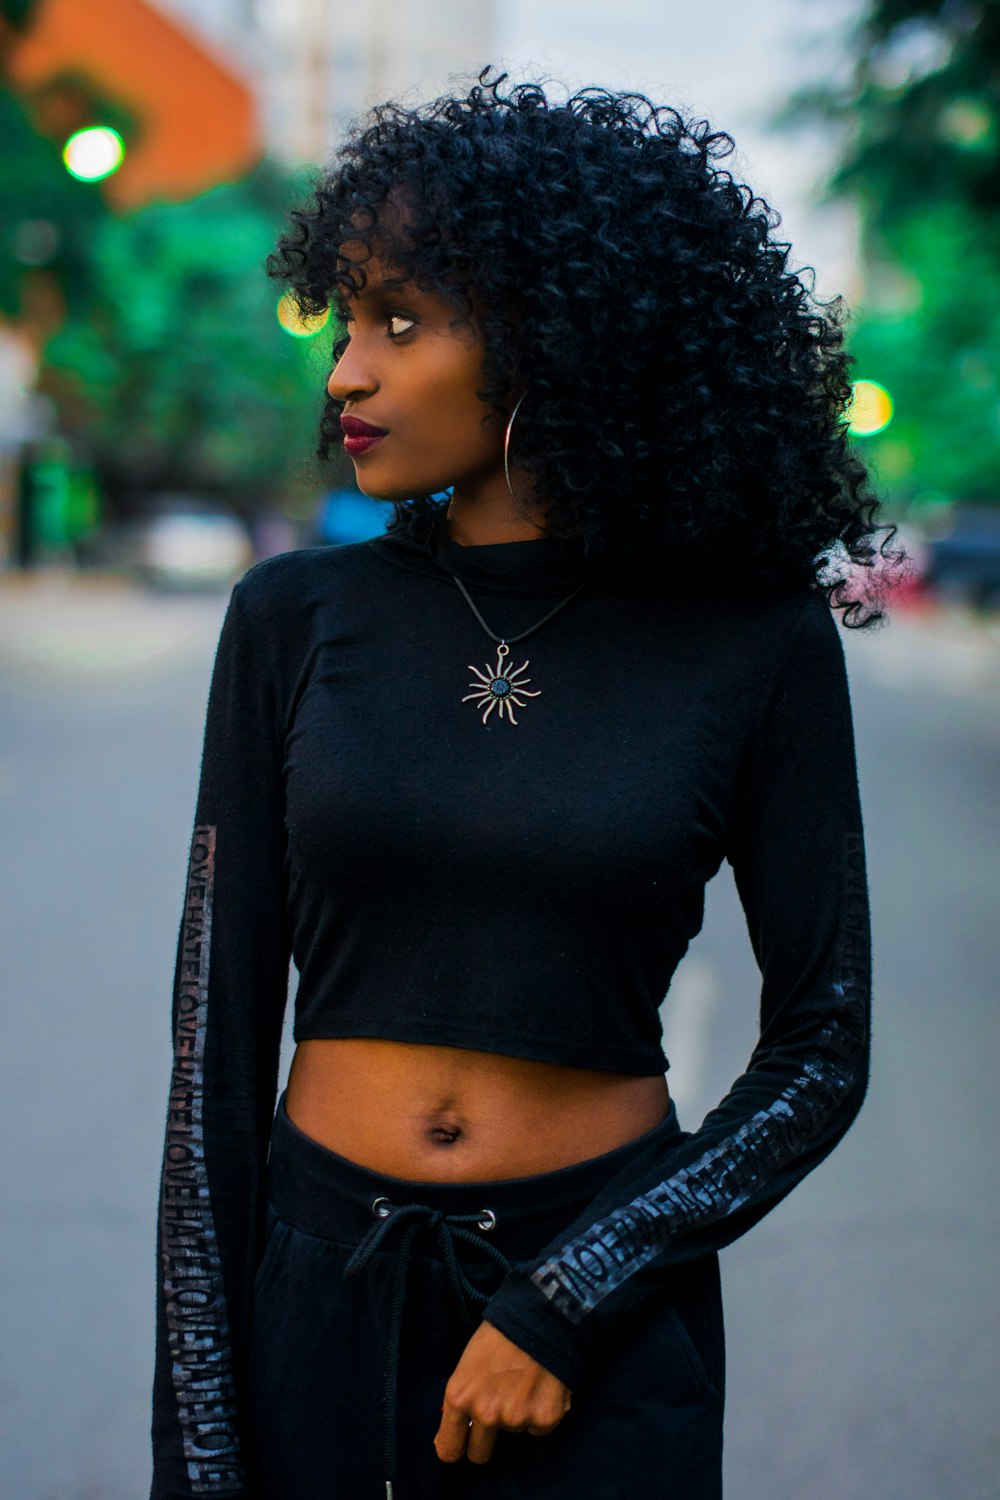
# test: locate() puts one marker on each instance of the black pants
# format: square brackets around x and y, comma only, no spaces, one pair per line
[646,1420]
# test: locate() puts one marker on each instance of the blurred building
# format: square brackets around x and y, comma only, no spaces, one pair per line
[316,64]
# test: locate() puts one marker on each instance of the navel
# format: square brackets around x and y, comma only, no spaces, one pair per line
[445,1130]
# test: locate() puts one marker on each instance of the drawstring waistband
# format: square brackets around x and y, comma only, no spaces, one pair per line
[447,1227]
[331,1198]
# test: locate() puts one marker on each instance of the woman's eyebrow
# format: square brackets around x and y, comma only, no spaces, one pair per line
[375,289]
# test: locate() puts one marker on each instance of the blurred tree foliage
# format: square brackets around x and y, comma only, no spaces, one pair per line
[919,112]
[176,373]
[47,218]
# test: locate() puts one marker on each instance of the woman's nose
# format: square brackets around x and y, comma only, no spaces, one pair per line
[349,379]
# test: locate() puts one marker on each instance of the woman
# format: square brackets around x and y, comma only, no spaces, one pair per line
[473,1253]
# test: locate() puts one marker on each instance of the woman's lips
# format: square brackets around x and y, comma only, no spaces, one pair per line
[359,436]
[355,446]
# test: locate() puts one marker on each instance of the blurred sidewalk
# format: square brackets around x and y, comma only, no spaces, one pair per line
[941,645]
[58,621]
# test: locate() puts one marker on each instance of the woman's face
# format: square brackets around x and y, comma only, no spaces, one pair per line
[412,368]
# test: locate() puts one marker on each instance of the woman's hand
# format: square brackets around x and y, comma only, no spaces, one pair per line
[496,1386]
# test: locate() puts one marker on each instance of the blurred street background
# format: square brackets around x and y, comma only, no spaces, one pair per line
[157,411]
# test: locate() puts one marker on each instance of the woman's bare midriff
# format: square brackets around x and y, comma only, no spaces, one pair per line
[445,1114]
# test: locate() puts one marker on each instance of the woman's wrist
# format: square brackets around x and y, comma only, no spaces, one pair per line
[526,1316]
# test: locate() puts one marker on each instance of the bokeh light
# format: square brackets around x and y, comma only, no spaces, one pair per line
[870,409]
[94,153]
[294,323]
[966,122]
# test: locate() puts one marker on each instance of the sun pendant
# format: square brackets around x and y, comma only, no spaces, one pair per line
[499,689]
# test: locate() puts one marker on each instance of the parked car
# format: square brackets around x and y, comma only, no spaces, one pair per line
[182,541]
[964,560]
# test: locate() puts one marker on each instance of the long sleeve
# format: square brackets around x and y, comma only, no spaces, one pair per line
[230,990]
[794,840]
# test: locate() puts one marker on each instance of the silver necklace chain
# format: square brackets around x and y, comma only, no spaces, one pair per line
[512,640]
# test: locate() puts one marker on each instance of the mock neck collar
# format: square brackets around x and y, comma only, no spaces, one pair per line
[539,565]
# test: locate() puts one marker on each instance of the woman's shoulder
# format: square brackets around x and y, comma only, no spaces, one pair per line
[285,605]
[286,586]
[746,639]
[787,616]
[289,572]
[764,615]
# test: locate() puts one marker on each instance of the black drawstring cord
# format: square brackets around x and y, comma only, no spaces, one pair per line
[448,1228]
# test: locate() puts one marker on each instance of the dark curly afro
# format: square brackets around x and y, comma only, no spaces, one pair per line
[684,394]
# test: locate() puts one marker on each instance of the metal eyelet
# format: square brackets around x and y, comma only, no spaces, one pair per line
[488,1220]
[381,1208]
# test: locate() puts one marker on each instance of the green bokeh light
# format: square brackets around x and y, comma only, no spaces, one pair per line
[870,410]
[94,153]
[292,321]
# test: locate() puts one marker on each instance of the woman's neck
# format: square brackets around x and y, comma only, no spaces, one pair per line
[481,524]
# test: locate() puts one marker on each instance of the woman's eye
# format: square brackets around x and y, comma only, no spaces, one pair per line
[394,322]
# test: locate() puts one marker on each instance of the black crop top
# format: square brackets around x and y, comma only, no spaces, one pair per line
[518,876]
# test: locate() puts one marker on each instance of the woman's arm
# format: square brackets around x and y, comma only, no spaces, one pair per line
[795,844]
[230,989]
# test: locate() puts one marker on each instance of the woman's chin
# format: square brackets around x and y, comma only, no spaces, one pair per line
[389,489]
[378,489]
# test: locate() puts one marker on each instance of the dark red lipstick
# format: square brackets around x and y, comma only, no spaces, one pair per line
[360,436]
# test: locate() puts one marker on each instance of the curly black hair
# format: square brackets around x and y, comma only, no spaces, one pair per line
[684,392]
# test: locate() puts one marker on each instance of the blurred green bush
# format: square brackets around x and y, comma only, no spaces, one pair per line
[175,373]
[918,115]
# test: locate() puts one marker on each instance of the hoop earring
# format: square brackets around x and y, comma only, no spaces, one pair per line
[506,447]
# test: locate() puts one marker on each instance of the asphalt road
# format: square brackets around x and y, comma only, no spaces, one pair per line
[861,1314]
